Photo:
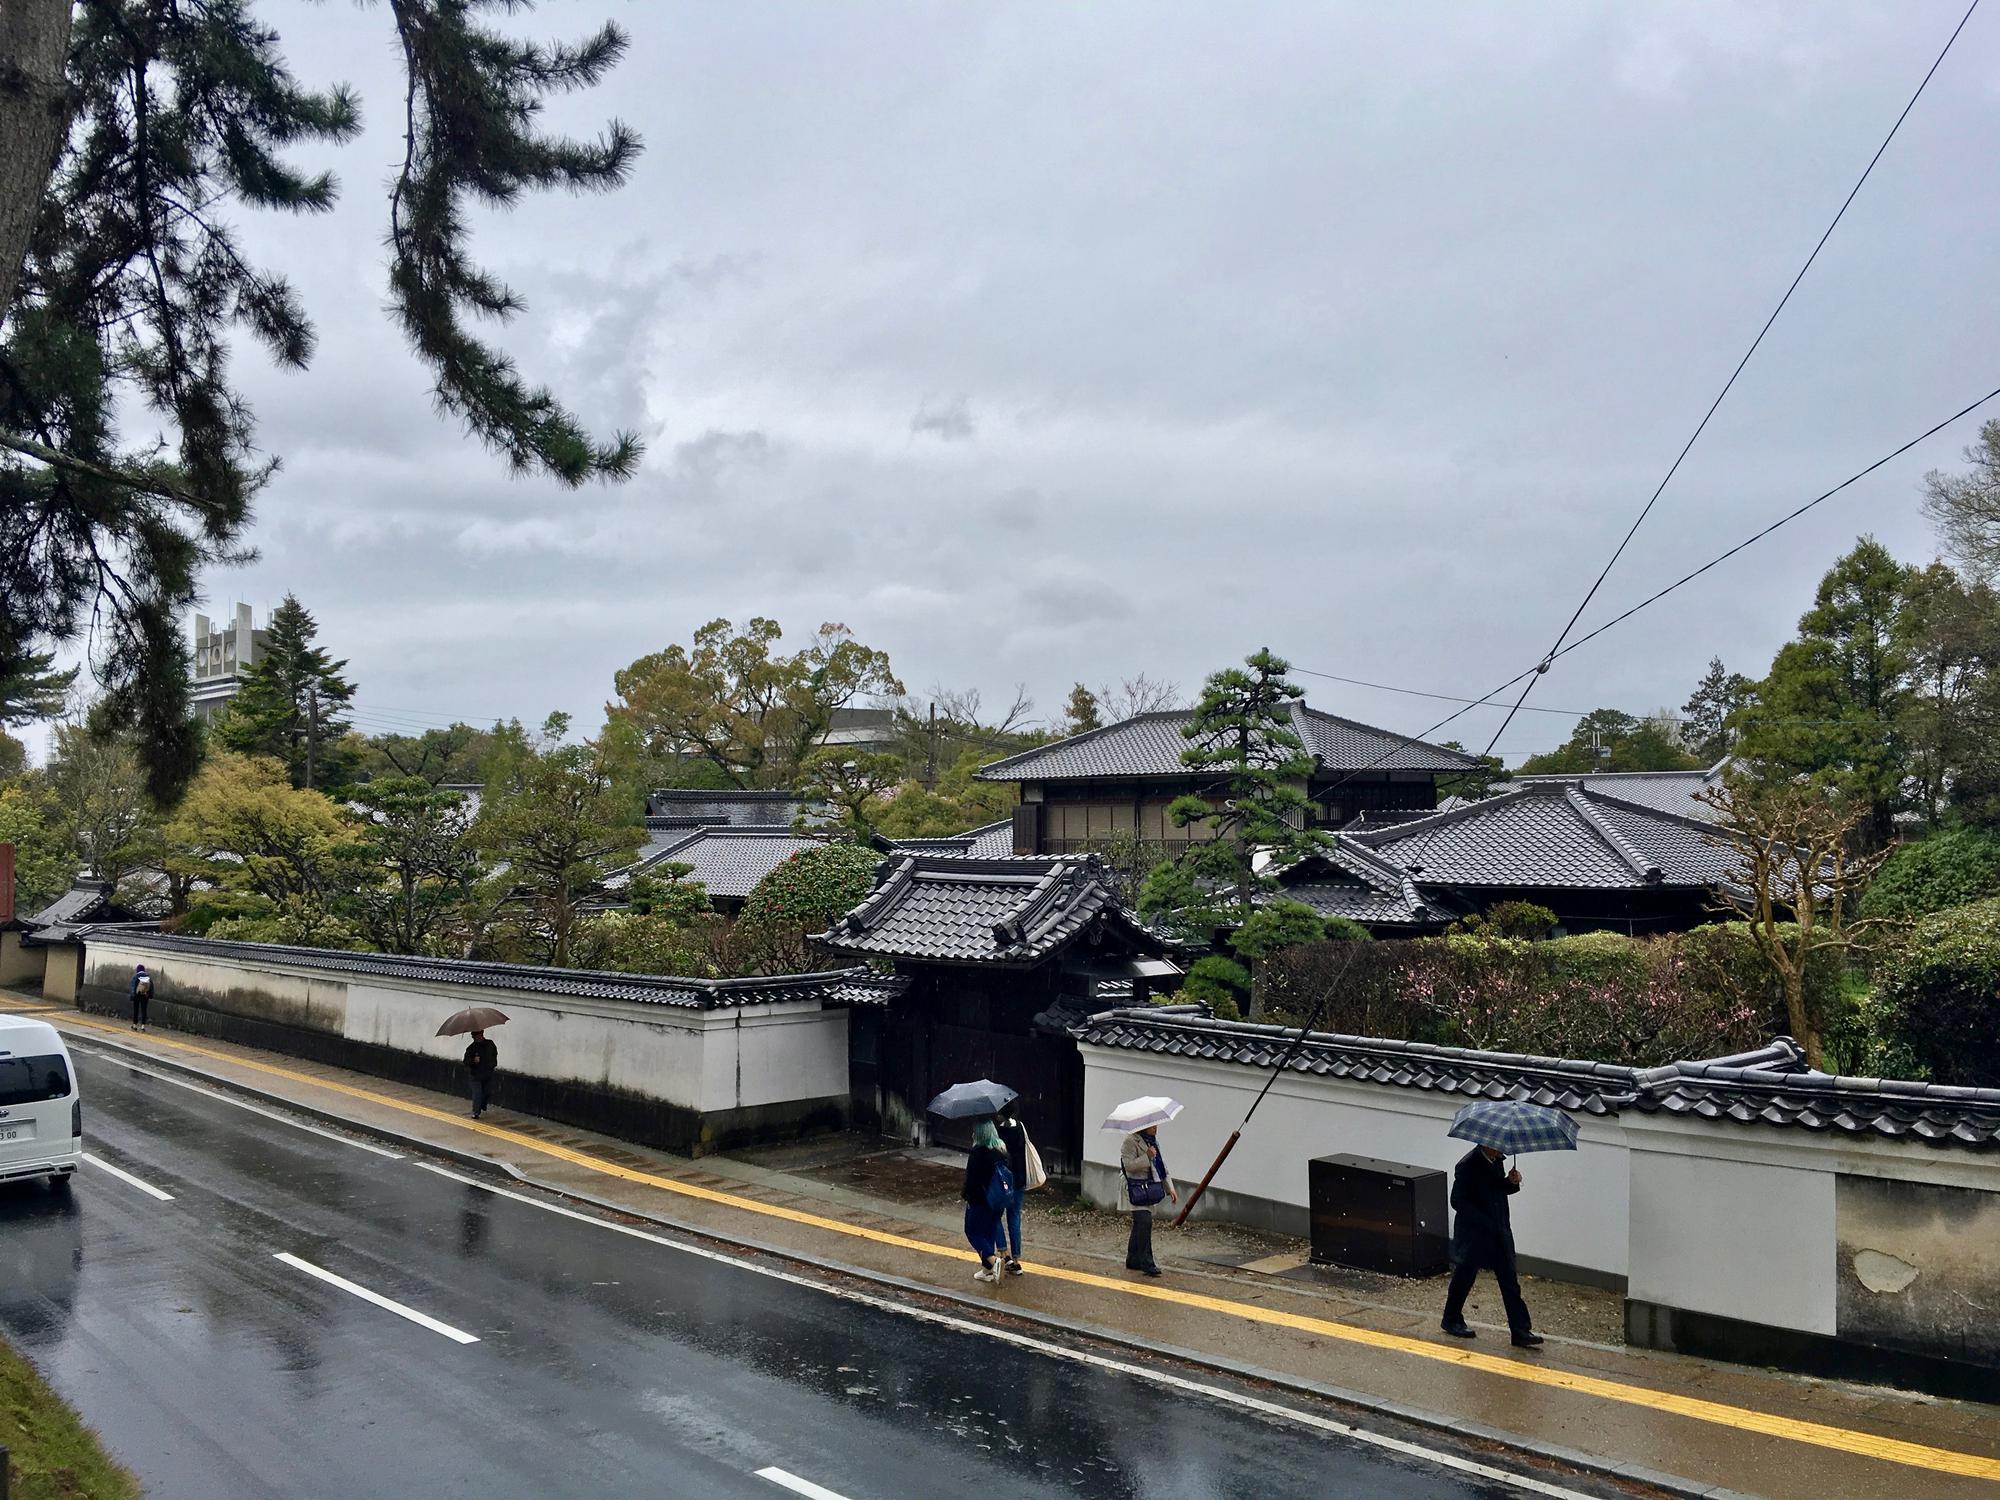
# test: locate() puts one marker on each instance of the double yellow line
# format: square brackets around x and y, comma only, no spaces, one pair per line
[1742,1419]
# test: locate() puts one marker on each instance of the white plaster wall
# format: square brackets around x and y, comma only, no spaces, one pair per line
[711,1061]
[1572,1208]
[1717,1230]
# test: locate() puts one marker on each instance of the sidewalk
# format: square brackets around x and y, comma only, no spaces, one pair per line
[1235,1301]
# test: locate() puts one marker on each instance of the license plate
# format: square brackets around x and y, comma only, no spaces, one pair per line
[25,1132]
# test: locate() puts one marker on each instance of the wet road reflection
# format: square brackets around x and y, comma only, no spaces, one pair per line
[607,1365]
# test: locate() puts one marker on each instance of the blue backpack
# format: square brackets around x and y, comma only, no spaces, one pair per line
[1000,1187]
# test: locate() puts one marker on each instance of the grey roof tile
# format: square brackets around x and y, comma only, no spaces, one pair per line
[1662,791]
[728,862]
[1770,1087]
[1151,745]
[953,909]
[698,994]
[1552,834]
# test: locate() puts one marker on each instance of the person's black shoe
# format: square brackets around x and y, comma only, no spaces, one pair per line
[1458,1330]
[1147,1270]
[1528,1341]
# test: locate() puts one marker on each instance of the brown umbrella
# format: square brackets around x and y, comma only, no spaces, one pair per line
[472,1018]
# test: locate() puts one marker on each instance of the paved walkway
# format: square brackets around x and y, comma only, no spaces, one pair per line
[1722,1428]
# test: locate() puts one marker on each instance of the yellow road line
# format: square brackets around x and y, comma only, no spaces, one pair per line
[1743,1419]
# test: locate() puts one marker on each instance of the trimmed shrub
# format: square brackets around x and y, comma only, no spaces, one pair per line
[1282,924]
[1952,868]
[1219,983]
[1940,992]
[813,887]
[1512,919]
[1347,930]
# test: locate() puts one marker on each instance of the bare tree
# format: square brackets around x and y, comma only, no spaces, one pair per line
[1965,508]
[1137,695]
[1795,883]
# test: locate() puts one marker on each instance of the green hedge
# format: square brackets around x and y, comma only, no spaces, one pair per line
[1597,996]
[1948,869]
[1938,989]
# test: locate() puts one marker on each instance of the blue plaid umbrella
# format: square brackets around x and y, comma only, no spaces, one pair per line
[1514,1126]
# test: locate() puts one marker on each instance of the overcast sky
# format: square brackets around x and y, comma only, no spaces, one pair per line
[1052,342]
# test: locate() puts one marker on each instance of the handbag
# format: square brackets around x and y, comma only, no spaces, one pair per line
[1000,1187]
[1031,1159]
[1145,1191]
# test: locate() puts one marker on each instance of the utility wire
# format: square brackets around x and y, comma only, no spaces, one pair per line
[1646,510]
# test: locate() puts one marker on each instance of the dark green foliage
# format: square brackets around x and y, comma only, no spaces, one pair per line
[1220,983]
[809,890]
[1608,740]
[1511,919]
[1275,925]
[456,755]
[127,457]
[1347,930]
[414,862]
[1940,987]
[560,817]
[31,688]
[292,705]
[1253,801]
[1952,868]
[1472,785]
[1705,716]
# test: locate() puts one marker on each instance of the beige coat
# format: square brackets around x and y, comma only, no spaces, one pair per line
[1135,1160]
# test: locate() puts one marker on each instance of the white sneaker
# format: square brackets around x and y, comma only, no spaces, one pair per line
[985,1274]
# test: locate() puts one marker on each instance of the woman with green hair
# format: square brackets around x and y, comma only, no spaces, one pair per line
[988,1185]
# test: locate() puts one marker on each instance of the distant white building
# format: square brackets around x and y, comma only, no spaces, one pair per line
[223,652]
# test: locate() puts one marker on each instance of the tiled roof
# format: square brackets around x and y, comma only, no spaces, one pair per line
[735,809]
[949,909]
[1348,879]
[990,841]
[1151,745]
[1552,834]
[728,862]
[1768,1087]
[1661,791]
[650,989]
[77,904]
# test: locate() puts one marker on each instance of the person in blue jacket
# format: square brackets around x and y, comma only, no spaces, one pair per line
[986,1161]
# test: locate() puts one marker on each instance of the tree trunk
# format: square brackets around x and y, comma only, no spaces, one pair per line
[1803,1031]
[34,112]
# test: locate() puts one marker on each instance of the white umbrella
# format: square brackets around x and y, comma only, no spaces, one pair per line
[1137,1114]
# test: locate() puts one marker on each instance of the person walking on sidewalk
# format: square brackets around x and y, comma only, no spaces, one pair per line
[1014,1137]
[1482,1238]
[142,994]
[1147,1181]
[482,1061]
[988,1185]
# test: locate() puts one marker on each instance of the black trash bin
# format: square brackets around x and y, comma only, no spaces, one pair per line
[1379,1215]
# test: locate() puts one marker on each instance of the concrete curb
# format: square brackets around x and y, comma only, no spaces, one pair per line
[1359,1401]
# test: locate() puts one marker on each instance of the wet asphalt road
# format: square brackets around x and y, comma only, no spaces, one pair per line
[605,1365]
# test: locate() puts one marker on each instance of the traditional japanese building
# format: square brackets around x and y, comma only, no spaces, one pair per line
[1118,781]
[1001,957]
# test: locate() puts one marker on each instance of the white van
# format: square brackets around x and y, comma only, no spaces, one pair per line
[41,1105]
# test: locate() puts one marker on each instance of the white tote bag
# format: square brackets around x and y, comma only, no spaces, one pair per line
[1032,1159]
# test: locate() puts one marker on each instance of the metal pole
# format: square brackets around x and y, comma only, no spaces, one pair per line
[1237,1134]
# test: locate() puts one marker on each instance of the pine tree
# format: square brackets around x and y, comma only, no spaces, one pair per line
[1081,714]
[1252,804]
[1705,716]
[292,705]
[127,457]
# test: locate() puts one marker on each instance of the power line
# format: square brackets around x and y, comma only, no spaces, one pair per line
[1540,667]
[1646,510]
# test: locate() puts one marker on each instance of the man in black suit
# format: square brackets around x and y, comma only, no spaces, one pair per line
[1482,1238]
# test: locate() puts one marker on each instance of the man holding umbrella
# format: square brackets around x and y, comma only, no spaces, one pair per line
[1482,1235]
[482,1058]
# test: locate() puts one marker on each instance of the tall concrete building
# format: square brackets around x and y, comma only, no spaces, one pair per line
[223,652]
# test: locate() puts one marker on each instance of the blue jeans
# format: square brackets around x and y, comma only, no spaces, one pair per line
[1012,1218]
[982,1229]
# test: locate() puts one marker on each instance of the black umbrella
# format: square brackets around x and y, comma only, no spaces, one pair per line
[965,1101]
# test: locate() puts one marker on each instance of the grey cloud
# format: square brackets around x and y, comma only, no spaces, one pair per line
[949,421]
[1361,338]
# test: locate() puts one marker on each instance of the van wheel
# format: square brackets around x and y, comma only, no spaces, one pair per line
[60,1185]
